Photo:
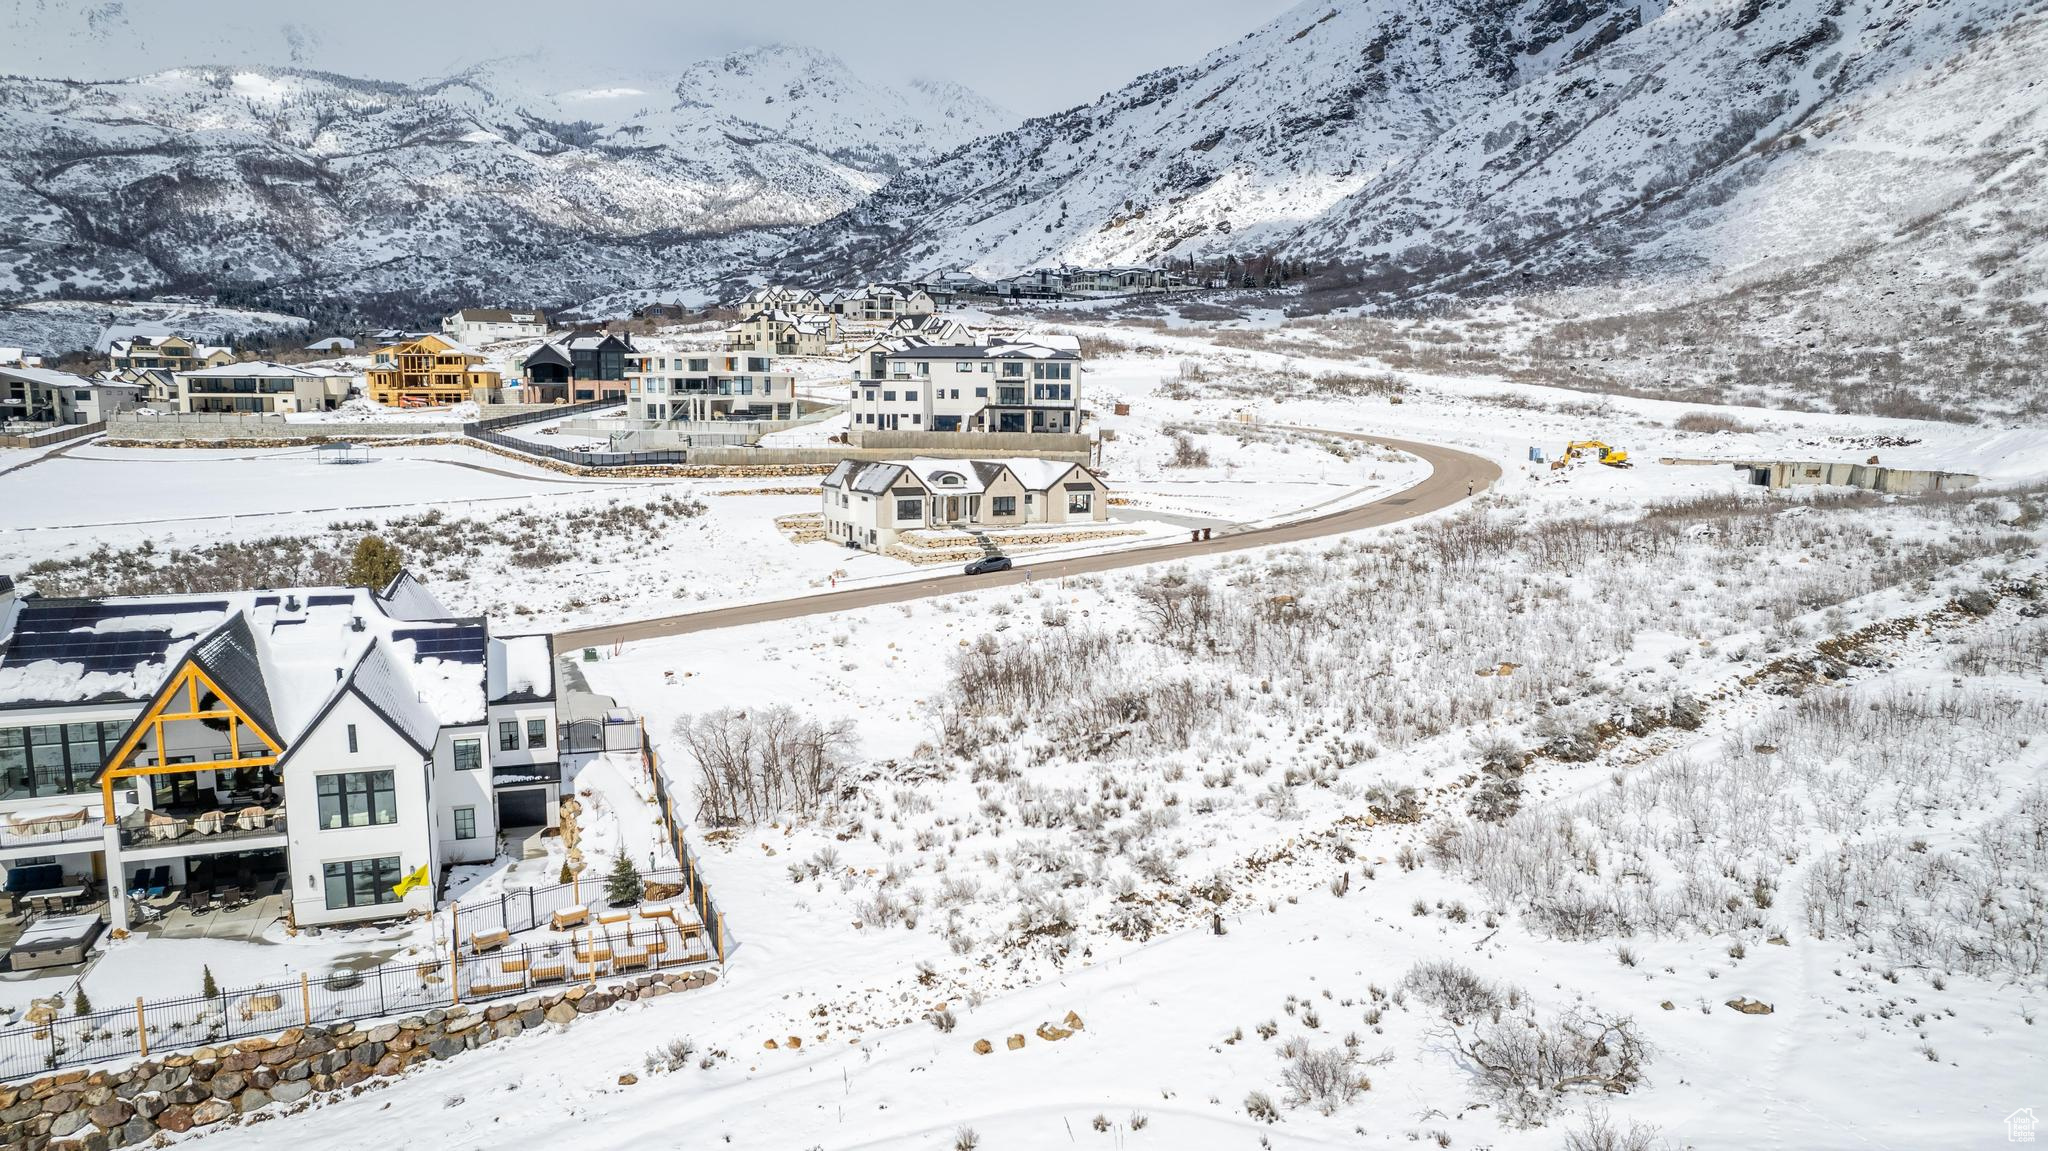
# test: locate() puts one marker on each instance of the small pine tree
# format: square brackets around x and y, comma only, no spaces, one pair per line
[623,885]
[376,562]
[80,1005]
[568,876]
[208,987]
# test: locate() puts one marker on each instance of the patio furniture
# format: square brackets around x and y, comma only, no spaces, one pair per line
[55,898]
[232,897]
[46,823]
[252,818]
[158,881]
[209,822]
[163,826]
[491,940]
[569,917]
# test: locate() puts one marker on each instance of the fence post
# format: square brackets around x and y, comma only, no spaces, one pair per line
[383,1007]
[454,953]
[721,939]
[306,998]
[576,889]
[532,916]
[141,1027]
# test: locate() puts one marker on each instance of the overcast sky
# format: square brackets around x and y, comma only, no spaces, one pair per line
[1032,56]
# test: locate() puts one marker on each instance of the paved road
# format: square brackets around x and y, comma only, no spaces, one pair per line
[1454,475]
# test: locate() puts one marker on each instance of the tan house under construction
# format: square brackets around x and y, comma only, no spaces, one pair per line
[429,372]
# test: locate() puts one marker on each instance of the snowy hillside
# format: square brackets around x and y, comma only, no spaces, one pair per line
[239,177]
[1599,140]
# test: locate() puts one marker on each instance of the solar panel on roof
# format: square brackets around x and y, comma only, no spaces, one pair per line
[329,600]
[458,644]
[118,652]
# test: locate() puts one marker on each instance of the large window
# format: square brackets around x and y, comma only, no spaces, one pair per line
[1081,503]
[1004,506]
[536,733]
[357,799]
[469,754]
[465,823]
[909,509]
[508,735]
[362,882]
[54,759]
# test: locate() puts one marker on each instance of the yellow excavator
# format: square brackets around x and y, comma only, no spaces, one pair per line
[1613,457]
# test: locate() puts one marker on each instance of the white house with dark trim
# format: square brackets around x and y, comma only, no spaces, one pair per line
[322,742]
[1015,384]
[870,505]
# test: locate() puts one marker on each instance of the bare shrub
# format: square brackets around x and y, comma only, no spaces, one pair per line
[1259,1105]
[1710,423]
[1187,453]
[1526,1066]
[1600,1134]
[1456,990]
[753,766]
[1325,1078]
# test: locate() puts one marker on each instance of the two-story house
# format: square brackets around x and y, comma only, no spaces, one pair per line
[784,333]
[869,505]
[483,325]
[1010,384]
[48,396]
[321,742]
[689,386]
[881,304]
[777,298]
[261,386]
[580,366]
[169,353]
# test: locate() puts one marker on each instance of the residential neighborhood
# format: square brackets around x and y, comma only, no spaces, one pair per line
[870,505]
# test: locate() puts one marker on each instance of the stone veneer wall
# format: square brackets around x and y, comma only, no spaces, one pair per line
[265,1078]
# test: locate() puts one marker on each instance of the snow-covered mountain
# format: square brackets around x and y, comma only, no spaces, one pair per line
[1445,144]
[243,176]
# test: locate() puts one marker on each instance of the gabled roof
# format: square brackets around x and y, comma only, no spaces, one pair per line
[406,598]
[228,657]
[501,316]
[546,353]
[382,685]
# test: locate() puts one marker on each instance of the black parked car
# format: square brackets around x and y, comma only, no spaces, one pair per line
[989,564]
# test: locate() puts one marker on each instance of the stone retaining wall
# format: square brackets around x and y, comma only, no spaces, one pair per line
[261,1078]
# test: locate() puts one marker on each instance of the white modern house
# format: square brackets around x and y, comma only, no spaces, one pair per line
[475,326]
[48,396]
[261,386]
[684,386]
[326,743]
[1020,385]
[870,505]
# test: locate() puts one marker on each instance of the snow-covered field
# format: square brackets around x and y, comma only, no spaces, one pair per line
[1461,833]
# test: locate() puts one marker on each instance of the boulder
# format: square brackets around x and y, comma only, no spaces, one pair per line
[149,1104]
[136,1131]
[1016,1042]
[211,1111]
[263,1078]
[1073,1022]
[506,1028]
[983,1047]
[771,1045]
[793,1042]
[67,1122]
[562,1013]
[1750,1006]
[466,1023]
[290,1092]
[1052,1034]
[628,1079]
[227,1084]
[252,1100]
[112,1114]
[385,1033]
[445,1047]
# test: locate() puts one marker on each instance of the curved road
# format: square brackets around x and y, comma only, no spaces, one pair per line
[1453,476]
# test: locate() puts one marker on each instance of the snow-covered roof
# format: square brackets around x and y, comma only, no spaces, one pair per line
[48,377]
[260,368]
[500,316]
[961,476]
[522,667]
[283,656]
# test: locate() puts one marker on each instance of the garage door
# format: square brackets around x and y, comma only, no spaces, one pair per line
[527,807]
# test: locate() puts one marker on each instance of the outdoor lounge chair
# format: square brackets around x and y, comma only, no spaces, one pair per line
[159,880]
[209,822]
[252,818]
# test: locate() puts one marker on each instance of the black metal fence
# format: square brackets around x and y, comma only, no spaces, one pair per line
[600,945]
[488,432]
[700,895]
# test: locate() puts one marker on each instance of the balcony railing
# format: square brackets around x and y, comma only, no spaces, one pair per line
[152,828]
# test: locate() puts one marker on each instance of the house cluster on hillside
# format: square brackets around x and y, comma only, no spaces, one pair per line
[324,743]
[870,505]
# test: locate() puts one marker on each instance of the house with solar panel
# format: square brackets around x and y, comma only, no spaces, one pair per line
[315,745]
